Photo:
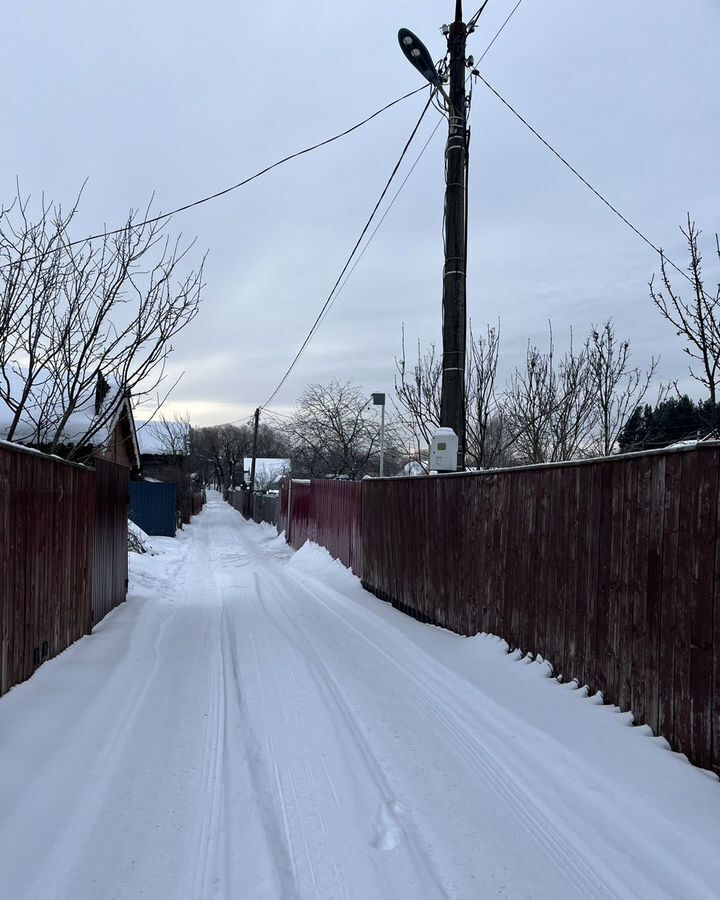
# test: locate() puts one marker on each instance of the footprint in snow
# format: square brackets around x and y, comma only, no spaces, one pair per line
[388,830]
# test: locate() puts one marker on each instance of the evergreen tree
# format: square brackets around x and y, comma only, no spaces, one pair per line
[673,420]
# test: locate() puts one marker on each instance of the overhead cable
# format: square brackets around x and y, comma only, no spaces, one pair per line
[349,260]
[498,32]
[584,180]
[473,19]
[221,193]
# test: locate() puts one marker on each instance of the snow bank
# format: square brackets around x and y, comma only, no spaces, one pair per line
[314,561]
[138,540]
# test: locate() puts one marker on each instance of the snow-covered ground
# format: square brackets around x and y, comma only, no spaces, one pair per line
[252,724]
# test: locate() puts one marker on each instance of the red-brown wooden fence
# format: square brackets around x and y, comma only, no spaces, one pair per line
[47,511]
[608,568]
[110,568]
[63,554]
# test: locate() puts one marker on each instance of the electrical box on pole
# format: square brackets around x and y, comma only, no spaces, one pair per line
[443,451]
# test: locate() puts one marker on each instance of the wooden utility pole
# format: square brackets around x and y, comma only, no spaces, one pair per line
[254,452]
[452,406]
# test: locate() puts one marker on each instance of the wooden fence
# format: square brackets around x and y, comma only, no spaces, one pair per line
[197,502]
[63,554]
[608,568]
[110,566]
[335,520]
[46,543]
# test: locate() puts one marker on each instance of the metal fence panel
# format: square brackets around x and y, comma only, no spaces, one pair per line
[153,507]
[240,500]
[299,511]
[335,520]
[265,509]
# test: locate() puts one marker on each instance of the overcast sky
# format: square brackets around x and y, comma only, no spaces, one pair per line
[182,99]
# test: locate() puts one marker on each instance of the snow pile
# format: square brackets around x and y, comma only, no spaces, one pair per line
[138,540]
[314,561]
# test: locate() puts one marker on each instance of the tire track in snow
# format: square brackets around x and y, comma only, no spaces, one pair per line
[54,876]
[292,814]
[537,825]
[376,767]
[277,848]
[211,772]
[283,778]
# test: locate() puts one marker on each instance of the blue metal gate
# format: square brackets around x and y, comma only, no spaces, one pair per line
[153,507]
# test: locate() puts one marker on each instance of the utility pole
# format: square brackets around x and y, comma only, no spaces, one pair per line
[254,452]
[452,405]
[382,440]
[379,400]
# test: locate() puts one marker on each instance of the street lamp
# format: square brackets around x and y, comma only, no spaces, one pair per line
[454,314]
[419,56]
[379,400]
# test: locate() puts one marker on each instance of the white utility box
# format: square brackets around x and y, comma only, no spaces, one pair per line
[444,451]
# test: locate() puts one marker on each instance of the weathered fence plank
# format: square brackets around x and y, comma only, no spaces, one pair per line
[110,570]
[47,511]
[608,568]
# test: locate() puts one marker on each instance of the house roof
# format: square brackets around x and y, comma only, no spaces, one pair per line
[83,421]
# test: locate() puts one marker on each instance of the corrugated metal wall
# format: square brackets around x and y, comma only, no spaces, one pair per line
[153,507]
[258,507]
[335,520]
[240,500]
[284,507]
[47,511]
[265,509]
[299,507]
[110,571]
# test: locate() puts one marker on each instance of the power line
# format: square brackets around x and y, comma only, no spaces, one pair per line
[584,180]
[364,250]
[364,231]
[499,32]
[221,193]
[382,219]
[473,19]
[333,297]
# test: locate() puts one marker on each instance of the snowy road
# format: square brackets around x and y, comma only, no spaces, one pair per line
[252,724]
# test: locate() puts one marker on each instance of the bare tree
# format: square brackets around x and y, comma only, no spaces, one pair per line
[486,432]
[334,432]
[417,398]
[172,436]
[418,395]
[266,476]
[548,407]
[219,452]
[73,313]
[618,388]
[695,320]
